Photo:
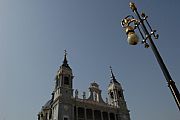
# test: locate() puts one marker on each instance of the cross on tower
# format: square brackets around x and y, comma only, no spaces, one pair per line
[65,52]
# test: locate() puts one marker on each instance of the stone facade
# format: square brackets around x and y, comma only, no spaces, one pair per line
[63,105]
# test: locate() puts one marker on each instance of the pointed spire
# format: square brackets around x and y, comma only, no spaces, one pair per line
[65,59]
[65,62]
[112,76]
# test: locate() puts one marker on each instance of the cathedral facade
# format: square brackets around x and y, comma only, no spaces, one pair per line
[64,105]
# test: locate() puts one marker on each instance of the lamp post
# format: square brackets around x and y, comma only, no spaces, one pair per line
[129,23]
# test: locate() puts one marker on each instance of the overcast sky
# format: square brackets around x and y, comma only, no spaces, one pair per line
[35,33]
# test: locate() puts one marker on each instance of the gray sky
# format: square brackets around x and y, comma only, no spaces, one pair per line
[34,34]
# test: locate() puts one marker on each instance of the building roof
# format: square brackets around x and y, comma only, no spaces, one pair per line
[48,104]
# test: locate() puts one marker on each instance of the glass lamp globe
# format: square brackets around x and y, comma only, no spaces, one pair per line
[132,39]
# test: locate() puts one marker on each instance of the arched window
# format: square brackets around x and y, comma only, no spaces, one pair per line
[112,95]
[94,96]
[120,94]
[66,80]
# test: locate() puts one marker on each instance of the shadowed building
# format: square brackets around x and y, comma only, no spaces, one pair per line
[63,105]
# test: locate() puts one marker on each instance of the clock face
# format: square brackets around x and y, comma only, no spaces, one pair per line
[66,107]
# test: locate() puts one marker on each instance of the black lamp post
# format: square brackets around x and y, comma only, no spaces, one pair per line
[130,24]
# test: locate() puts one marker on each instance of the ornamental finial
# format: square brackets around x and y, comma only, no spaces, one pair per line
[65,52]
[65,62]
[113,77]
[132,6]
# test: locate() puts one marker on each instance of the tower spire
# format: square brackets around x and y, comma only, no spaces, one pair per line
[112,76]
[65,59]
[65,62]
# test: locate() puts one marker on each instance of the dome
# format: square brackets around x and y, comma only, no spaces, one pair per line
[94,84]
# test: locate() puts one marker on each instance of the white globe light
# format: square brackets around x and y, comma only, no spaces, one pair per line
[132,39]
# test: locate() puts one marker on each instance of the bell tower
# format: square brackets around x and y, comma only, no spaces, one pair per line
[64,80]
[116,97]
[63,92]
[115,91]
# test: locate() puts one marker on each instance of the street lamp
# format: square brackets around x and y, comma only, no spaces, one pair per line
[130,24]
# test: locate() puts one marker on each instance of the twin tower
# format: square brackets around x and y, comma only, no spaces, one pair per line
[66,105]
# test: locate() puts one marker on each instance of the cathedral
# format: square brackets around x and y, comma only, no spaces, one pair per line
[66,105]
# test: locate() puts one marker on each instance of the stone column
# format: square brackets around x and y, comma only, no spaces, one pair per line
[108,116]
[85,115]
[76,113]
[115,98]
[115,116]
[93,114]
[101,115]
